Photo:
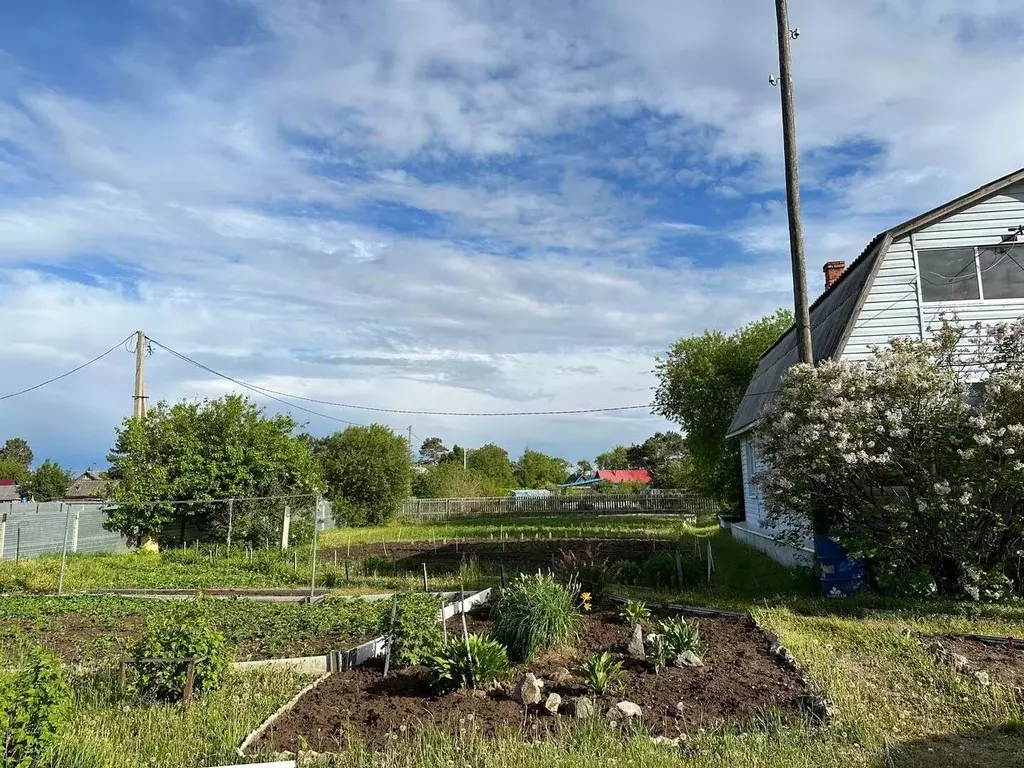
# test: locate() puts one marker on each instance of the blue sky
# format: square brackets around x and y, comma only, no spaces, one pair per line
[450,205]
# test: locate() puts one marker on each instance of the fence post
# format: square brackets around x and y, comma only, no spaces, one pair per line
[74,529]
[231,510]
[64,551]
[17,546]
[286,524]
[316,525]
[3,533]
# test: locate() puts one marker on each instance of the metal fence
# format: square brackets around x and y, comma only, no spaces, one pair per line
[663,502]
[30,530]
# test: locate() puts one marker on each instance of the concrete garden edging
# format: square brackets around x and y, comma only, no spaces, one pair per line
[339,661]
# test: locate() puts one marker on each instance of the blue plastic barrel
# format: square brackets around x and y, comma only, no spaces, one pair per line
[840,576]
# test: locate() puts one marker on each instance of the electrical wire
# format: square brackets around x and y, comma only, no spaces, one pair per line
[68,373]
[404,411]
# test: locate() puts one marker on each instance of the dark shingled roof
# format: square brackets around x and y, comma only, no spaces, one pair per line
[834,313]
[89,485]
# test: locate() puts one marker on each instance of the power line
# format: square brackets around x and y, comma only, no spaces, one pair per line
[404,411]
[68,373]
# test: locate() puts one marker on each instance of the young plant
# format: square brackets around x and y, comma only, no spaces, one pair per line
[35,706]
[600,672]
[536,614]
[185,632]
[635,612]
[680,636]
[453,668]
[658,652]
[417,629]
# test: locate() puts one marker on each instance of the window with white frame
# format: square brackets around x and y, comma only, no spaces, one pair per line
[971,273]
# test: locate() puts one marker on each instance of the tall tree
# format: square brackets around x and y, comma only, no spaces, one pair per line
[616,458]
[202,450]
[538,470]
[368,473]
[17,449]
[13,469]
[448,481]
[702,380]
[432,450]
[491,463]
[50,481]
[664,456]
[583,467]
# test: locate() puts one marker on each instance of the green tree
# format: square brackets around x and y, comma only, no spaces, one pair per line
[202,450]
[664,455]
[538,470]
[616,458]
[50,481]
[13,469]
[702,380]
[17,449]
[583,467]
[455,456]
[368,473]
[448,481]
[432,450]
[492,464]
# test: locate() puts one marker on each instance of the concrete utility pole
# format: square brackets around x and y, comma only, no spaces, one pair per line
[796,233]
[139,410]
[410,440]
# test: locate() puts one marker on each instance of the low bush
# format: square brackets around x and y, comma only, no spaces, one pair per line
[679,636]
[35,705]
[584,567]
[453,667]
[185,632]
[601,672]
[658,572]
[625,572]
[536,613]
[417,629]
[635,612]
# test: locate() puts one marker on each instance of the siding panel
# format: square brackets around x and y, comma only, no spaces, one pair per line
[890,308]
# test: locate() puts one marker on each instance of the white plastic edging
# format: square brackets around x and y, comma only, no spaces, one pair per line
[274,715]
[279,764]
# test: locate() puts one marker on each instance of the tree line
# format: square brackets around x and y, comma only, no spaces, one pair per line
[46,482]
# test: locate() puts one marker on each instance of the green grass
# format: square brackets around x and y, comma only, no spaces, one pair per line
[115,735]
[90,630]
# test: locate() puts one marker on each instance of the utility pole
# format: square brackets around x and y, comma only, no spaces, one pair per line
[139,410]
[465,459]
[796,233]
[410,440]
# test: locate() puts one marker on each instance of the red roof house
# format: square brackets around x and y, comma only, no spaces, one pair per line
[625,476]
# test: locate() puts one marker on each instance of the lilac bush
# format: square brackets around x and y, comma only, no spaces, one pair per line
[913,458]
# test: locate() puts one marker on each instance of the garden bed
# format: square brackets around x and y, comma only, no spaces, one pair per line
[739,681]
[1002,659]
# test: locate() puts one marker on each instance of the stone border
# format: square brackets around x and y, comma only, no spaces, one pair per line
[340,661]
[958,662]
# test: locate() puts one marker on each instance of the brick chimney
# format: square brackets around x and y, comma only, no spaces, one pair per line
[833,271]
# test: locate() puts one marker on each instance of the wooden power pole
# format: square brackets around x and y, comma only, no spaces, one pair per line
[139,409]
[796,232]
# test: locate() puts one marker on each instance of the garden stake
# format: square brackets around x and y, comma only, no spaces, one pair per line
[465,636]
[17,546]
[709,562]
[425,588]
[211,557]
[391,635]
[444,624]
[190,680]
[679,569]
[295,560]
[346,570]
[384,544]
[503,574]
[348,552]
[335,558]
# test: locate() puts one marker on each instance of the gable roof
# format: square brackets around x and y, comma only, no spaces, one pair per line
[624,475]
[9,490]
[834,312]
[89,485]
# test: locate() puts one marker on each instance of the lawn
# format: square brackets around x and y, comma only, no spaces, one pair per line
[894,706]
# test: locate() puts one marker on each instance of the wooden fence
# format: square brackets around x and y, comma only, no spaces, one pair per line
[657,502]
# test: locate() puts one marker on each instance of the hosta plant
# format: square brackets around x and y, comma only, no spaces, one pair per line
[453,667]
[601,672]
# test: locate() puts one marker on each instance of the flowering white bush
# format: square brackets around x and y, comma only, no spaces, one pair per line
[914,459]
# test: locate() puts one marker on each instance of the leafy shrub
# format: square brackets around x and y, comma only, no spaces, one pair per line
[536,614]
[600,672]
[417,630]
[658,571]
[900,583]
[35,704]
[586,567]
[635,612]
[453,668]
[680,636]
[625,572]
[183,632]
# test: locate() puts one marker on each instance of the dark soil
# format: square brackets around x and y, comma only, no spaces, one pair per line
[740,680]
[1003,663]
[515,554]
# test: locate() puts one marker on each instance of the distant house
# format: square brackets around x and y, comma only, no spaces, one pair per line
[9,491]
[89,486]
[615,476]
[964,258]
[529,493]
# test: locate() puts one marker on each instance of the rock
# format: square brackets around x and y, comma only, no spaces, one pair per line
[479,693]
[552,704]
[688,659]
[583,708]
[635,649]
[624,710]
[530,689]
[665,741]
[981,678]
[562,676]
[960,663]
[817,707]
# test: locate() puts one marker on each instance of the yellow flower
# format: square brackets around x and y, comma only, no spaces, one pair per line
[586,606]
[585,596]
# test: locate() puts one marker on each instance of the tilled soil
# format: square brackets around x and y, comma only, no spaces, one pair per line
[516,554]
[740,679]
[1003,663]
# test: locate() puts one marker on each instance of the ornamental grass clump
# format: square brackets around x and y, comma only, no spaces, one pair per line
[536,614]
[474,662]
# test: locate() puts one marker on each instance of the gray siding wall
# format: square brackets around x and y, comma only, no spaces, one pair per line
[752,465]
[893,306]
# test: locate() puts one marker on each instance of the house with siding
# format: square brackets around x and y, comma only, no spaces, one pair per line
[965,257]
